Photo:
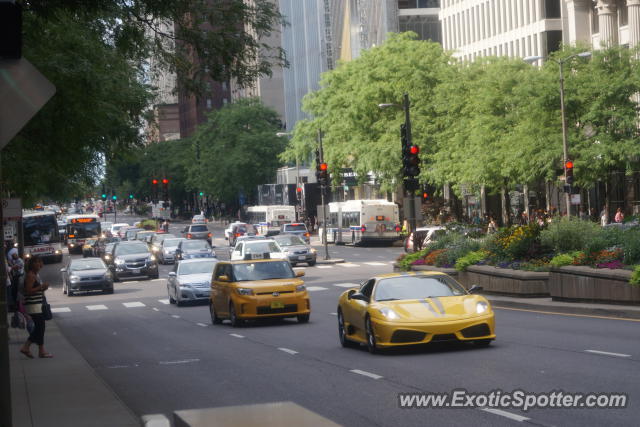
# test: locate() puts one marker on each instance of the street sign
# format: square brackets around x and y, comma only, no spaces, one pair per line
[23,92]
[11,209]
[575,199]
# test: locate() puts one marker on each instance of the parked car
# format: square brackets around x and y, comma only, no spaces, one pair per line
[239,230]
[425,235]
[156,241]
[190,280]
[297,228]
[197,231]
[256,249]
[132,259]
[167,251]
[86,275]
[189,249]
[198,219]
[296,249]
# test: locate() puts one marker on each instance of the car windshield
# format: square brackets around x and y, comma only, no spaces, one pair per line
[118,227]
[289,240]
[195,244]
[131,233]
[196,228]
[258,247]
[87,264]
[263,271]
[417,287]
[201,267]
[171,243]
[295,227]
[131,249]
[244,229]
[160,237]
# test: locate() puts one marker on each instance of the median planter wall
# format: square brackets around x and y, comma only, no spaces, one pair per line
[593,285]
[450,271]
[506,281]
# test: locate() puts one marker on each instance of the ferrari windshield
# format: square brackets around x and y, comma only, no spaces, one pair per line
[263,271]
[417,287]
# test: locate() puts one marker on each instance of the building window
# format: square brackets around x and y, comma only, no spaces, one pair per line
[623,13]
[209,104]
[413,4]
[551,9]
[554,40]
[595,25]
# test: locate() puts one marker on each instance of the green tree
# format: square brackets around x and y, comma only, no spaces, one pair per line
[238,150]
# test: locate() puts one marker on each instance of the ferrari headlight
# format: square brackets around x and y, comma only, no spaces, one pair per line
[389,313]
[245,291]
[300,288]
[481,307]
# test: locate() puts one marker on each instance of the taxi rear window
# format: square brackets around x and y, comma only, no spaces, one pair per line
[263,271]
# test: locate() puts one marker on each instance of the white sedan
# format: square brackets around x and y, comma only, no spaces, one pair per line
[256,249]
[198,219]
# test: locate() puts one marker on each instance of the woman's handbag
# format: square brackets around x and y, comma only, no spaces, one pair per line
[46,309]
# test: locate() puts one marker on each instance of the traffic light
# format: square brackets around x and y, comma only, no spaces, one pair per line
[568,172]
[165,189]
[323,174]
[114,197]
[154,190]
[410,161]
[131,196]
[104,193]
[201,194]
[425,196]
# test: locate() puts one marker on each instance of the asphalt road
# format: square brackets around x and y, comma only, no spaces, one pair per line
[159,358]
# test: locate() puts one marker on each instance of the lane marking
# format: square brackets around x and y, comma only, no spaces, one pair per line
[178,362]
[375,263]
[564,314]
[607,353]
[347,285]
[175,316]
[133,304]
[505,414]
[164,301]
[117,366]
[324,266]
[366,374]
[348,264]
[155,309]
[287,350]
[157,280]
[97,307]
[316,288]
[202,324]
[333,314]
[237,335]
[60,310]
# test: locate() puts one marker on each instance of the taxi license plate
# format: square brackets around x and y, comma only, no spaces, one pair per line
[136,271]
[277,304]
[302,257]
[256,256]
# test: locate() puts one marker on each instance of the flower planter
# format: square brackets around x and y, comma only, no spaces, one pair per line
[593,285]
[506,281]
[450,271]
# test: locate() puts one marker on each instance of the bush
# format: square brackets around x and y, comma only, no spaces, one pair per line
[631,246]
[472,258]
[635,276]
[406,260]
[561,260]
[514,243]
[571,234]
[149,224]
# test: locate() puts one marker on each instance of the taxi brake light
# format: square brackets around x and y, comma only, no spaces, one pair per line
[363,228]
[209,235]
[189,236]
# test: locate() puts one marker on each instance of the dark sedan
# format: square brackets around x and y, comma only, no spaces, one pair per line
[296,249]
[132,259]
[188,249]
[89,274]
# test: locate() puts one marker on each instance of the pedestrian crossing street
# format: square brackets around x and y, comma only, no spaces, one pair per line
[165,301]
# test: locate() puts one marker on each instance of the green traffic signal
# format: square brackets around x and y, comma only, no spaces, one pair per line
[114,197]
[131,196]
[201,194]
[104,196]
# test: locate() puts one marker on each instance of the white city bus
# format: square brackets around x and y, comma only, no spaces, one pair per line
[268,219]
[360,221]
[41,235]
[81,228]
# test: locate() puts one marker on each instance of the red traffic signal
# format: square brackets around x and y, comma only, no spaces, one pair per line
[299,190]
[425,195]
[414,149]
[323,166]
[568,164]
[154,181]
[165,181]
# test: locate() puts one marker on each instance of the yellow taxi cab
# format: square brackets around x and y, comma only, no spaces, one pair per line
[257,288]
[402,309]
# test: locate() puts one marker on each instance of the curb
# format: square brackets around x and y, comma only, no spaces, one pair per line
[330,261]
[622,313]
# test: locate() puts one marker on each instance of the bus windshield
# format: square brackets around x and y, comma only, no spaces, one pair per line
[84,230]
[40,230]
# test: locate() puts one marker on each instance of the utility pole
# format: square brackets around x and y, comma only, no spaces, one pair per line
[323,186]
[5,379]
[565,146]
[410,183]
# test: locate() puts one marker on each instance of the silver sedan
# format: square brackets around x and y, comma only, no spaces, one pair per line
[190,280]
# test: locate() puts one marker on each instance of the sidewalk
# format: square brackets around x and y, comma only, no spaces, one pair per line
[63,391]
[562,307]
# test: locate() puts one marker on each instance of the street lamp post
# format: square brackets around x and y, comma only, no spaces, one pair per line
[565,144]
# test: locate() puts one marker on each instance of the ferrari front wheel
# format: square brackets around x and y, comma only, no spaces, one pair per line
[372,345]
[342,332]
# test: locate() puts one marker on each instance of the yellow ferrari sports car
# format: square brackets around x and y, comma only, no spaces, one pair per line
[402,309]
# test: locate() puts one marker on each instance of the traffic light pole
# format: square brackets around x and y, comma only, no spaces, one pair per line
[565,145]
[324,205]
[406,104]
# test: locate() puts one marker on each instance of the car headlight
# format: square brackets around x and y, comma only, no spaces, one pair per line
[152,258]
[71,245]
[245,291]
[119,261]
[389,313]
[58,251]
[301,288]
[74,278]
[312,251]
[107,257]
[481,307]
[107,276]
[154,249]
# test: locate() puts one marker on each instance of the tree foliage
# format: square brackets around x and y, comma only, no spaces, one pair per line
[238,150]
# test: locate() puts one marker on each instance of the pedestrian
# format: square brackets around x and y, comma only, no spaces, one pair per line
[619,216]
[604,216]
[15,273]
[34,289]
[492,227]
[165,226]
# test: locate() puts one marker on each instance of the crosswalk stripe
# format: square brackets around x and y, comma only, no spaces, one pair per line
[133,304]
[60,310]
[164,301]
[316,288]
[347,264]
[375,263]
[324,266]
[97,307]
[346,285]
